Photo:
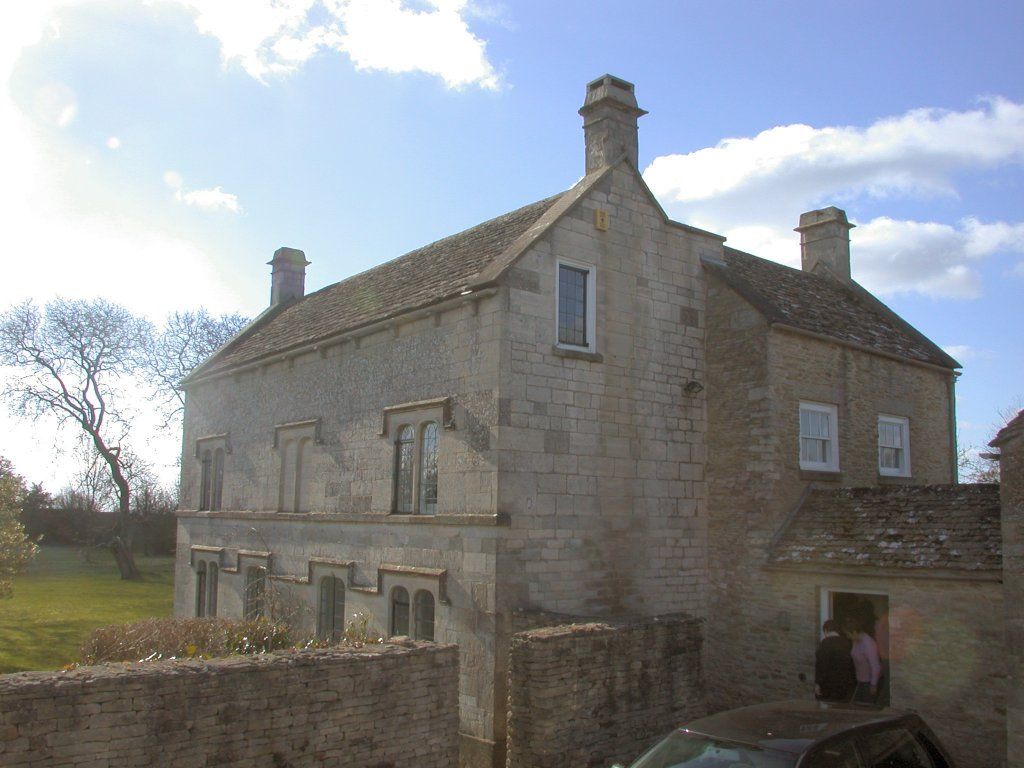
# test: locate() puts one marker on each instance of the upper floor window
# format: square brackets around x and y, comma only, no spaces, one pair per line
[416,468]
[211,480]
[255,587]
[295,442]
[819,437]
[574,300]
[894,446]
[330,617]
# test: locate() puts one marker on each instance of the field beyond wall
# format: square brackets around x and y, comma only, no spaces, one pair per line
[65,593]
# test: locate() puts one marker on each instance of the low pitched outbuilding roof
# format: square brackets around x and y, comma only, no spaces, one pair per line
[1014,428]
[945,527]
[825,305]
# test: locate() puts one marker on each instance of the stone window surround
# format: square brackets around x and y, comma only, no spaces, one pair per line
[412,594]
[413,578]
[207,582]
[591,306]
[305,433]
[905,469]
[418,415]
[833,412]
[218,446]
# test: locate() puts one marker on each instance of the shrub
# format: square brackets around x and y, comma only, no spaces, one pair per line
[153,639]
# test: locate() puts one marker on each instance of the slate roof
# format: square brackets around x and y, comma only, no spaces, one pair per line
[953,527]
[420,278]
[821,304]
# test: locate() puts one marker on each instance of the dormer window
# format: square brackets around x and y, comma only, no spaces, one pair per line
[575,305]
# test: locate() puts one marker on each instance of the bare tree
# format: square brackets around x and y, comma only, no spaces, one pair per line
[186,340]
[979,465]
[73,360]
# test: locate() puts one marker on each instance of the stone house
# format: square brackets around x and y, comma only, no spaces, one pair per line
[580,407]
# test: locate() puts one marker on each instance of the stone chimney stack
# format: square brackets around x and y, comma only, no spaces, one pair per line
[609,114]
[825,239]
[288,275]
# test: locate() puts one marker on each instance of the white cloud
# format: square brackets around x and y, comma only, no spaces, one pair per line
[113,143]
[752,190]
[212,200]
[965,352]
[276,37]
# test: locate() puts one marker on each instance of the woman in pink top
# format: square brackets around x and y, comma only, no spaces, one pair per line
[866,662]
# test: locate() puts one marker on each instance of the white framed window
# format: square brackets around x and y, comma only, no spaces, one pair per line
[893,446]
[575,305]
[819,437]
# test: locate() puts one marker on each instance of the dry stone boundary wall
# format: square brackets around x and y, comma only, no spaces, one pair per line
[592,694]
[375,706]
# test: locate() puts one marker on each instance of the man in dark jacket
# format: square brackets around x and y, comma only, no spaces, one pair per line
[834,676]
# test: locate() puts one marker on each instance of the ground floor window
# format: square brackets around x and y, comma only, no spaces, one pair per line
[201,589]
[399,611]
[424,625]
[330,617]
[255,589]
[869,611]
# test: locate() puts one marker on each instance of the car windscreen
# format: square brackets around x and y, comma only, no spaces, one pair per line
[688,750]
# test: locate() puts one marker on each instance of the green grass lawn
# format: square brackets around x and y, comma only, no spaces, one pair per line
[62,596]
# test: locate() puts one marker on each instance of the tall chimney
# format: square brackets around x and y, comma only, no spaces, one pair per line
[288,275]
[609,114]
[825,239]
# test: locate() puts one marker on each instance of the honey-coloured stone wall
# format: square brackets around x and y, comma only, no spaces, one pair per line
[381,705]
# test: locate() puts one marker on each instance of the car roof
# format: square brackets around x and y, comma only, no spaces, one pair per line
[791,726]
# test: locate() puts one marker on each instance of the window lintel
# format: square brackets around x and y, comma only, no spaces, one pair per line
[444,404]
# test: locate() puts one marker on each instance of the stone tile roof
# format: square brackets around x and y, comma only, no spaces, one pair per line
[953,527]
[420,278]
[1014,428]
[824,305]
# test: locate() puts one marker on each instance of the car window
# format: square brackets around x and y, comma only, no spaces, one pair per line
[841,755]
[895,748]
[687,750]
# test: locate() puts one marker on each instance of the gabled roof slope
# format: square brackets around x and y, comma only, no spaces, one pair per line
[952,527]
[1014,428]
[822,304]
[420,278]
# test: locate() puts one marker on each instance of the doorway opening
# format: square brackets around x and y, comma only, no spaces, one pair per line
[871,611]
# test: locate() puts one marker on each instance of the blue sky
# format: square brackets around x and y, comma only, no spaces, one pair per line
[158,152]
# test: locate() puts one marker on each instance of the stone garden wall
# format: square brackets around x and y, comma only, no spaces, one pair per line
[589,695]
[375,706]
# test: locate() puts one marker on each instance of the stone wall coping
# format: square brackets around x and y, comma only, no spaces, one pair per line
[604,627]
[473,519]
[18,682]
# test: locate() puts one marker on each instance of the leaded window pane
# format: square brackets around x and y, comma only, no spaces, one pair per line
[424,615]
[399,611]
[405,448]
[428,469]
[201,590]
[338,624]
[255,583]
[572,306]
[218,479]
[211,591]
[324,614]
[206,480]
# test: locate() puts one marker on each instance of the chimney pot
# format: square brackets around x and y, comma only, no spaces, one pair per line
[610,115]
[825,241]
[288,275]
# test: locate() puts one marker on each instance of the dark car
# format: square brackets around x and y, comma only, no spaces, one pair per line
[800,734]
